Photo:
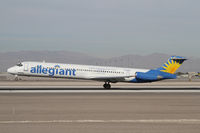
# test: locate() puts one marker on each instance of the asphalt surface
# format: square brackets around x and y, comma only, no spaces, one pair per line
[145,112]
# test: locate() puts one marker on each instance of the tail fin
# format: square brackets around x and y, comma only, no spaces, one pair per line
[173,63]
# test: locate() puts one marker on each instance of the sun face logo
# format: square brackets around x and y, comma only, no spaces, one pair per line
[171,66]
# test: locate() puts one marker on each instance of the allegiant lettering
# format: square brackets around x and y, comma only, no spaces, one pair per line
[39,69]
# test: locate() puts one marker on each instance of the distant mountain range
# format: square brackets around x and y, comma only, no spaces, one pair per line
[151,61]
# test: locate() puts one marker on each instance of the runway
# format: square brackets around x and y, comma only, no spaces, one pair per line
[100,112]
[99,90]
[86,107]
[179,121]
[94,87]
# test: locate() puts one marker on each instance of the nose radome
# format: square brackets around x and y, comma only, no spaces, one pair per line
[10,70]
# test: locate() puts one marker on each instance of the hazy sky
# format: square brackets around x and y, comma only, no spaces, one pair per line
[101,27]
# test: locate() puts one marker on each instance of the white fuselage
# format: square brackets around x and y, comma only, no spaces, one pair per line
[89,72]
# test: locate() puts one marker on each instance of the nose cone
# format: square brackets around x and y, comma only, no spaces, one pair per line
[11,70]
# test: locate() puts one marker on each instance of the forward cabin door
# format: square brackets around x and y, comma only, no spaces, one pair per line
[26,67]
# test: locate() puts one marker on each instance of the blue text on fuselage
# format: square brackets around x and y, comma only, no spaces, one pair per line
[52,71]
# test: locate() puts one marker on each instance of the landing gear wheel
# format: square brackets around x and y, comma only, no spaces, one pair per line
[16,78]
[107,86]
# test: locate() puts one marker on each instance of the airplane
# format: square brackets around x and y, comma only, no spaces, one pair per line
[99,73]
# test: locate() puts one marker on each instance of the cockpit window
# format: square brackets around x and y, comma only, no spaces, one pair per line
[19,64]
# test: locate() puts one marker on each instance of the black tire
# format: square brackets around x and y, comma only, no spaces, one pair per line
[16,79]
[107,86]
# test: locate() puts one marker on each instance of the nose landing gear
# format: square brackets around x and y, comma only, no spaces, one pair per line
[107,85]
[17,78]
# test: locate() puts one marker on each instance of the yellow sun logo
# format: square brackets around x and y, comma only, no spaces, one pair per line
[171,66]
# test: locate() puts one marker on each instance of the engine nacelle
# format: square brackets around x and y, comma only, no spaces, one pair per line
[147,76]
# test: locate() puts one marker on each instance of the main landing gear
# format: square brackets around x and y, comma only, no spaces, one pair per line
[107,85]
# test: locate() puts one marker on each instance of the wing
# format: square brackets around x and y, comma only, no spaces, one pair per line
[111,79]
